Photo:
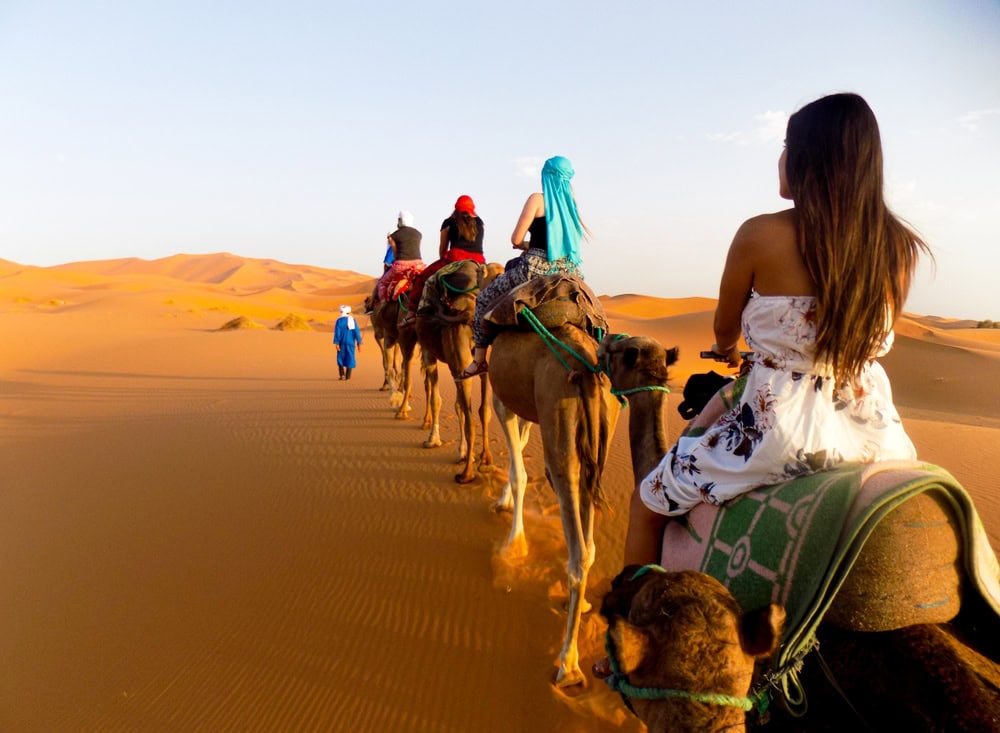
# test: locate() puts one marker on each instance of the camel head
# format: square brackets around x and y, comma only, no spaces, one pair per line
[493,271]
[635,361]
[680,649]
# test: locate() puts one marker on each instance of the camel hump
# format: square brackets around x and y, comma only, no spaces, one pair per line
[551,301]
[443,292]
[461,276]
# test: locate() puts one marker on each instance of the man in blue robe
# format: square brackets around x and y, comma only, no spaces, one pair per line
[346,337]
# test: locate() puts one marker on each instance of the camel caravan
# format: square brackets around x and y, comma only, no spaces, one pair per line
[793,569]
[814,599]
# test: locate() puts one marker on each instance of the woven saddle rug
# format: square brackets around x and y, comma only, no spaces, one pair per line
[402,280]
[550,301]
[455,278]
[796,544]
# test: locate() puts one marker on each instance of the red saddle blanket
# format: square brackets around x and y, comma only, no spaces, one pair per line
[401,280]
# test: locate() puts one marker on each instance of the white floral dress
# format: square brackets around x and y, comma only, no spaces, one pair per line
[788,417]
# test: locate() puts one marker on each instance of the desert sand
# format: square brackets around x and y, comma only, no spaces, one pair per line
[203,529]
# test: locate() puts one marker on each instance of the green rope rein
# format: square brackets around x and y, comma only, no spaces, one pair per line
[618,681]
[551,341]
[760,701]
[457,290]
[634,390]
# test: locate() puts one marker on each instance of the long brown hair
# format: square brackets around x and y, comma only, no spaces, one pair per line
[466,224]
[860,256]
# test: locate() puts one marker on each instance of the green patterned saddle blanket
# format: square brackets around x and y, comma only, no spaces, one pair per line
[798,543]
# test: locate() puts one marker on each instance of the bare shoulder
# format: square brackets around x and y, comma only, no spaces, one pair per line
[779,226]
[770,243]
[535,204]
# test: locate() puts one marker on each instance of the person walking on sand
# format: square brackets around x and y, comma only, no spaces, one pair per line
[815,290]
[461,239]
[346,337]
[551,220]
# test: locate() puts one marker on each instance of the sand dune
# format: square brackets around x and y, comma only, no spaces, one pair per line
[205,530]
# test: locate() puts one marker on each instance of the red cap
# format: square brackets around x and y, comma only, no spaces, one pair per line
[466,204]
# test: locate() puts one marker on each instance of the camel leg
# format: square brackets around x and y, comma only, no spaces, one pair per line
[563,470]
[392,368]
[428,397]
[467,430]
[434,402]
[485,398]
[403,413]
[386,382]
[394,376]
[515,431]
[385,367]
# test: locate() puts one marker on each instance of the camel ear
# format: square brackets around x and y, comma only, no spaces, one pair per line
[673,355]
[761,630]
[631,643]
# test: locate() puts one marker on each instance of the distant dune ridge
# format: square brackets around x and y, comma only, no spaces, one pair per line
[208,530]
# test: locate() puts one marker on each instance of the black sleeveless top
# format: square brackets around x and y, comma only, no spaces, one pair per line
[455,240]
[539,235]
[407,241]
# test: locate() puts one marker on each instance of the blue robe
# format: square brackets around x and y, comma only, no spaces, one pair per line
[346,338]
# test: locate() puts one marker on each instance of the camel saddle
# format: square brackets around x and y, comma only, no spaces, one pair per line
[550,301]
[866,547]
[454,279]
[402,280]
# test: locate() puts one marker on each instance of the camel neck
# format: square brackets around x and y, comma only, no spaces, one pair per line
[647,430]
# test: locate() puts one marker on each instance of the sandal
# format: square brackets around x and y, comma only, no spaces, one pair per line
[408,320]
[474,370]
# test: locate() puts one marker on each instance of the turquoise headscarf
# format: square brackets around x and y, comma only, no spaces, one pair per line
[562,223]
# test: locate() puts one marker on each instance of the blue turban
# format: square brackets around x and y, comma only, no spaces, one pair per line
[562,223]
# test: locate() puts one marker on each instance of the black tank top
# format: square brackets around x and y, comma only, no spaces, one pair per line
[539,235]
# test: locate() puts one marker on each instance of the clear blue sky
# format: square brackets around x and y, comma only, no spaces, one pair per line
[297,130]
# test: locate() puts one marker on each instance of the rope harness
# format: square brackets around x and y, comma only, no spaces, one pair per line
[457,291]
[618,681]
[552,342]
[448,288]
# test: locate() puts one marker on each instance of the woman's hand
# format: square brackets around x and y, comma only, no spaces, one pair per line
[732,355]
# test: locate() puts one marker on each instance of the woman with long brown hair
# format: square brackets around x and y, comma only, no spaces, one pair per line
[815,291]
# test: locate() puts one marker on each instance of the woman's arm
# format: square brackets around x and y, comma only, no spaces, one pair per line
[734,292]
[533,208]
[443,246]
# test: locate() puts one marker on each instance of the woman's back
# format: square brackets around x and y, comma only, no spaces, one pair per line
[778,268]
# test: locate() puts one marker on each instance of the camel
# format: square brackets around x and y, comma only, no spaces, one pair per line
[444,333]
[390,354]
[385,319]
[922,677]
[662,627]
[577,416]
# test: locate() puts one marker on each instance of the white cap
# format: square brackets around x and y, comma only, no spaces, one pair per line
[405,218]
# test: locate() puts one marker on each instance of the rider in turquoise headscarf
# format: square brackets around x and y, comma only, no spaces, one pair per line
[549,231]
[565,230]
